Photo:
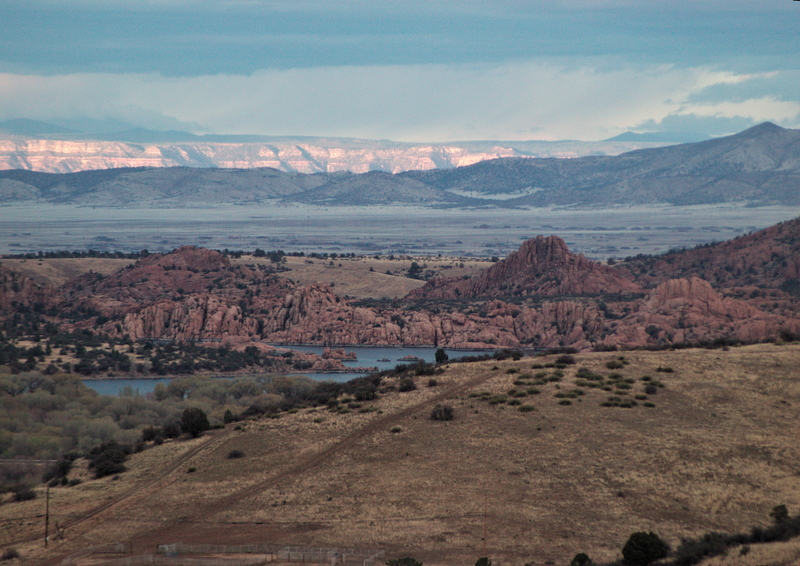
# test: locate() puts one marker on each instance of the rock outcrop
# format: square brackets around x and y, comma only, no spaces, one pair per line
[541,266]
[686,311]
[559,299]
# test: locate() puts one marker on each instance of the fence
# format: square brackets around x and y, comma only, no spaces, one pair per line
[272,553]
[158,560]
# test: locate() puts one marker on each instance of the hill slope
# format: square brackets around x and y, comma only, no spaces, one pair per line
[716,452]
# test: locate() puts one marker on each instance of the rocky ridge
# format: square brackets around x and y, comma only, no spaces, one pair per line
[541,266]
[542,295]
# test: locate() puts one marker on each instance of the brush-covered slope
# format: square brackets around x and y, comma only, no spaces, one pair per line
[767,259]
[578,469]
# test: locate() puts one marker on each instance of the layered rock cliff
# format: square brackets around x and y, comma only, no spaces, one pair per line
[303,155]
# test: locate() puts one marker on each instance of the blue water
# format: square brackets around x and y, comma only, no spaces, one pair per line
[367,357]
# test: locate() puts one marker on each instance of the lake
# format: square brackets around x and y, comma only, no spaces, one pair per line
[367,357]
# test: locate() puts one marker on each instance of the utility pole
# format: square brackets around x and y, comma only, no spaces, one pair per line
[484,521]
[47,517]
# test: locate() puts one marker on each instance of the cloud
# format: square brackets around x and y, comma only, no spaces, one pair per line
[544,99]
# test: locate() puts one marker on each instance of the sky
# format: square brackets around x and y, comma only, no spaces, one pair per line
[405,70]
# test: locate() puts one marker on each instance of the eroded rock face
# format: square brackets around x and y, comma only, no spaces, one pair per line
[64,156]
[691,311]
[195,294]
[541,266]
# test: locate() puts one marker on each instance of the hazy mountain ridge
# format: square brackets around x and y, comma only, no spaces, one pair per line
[760,166]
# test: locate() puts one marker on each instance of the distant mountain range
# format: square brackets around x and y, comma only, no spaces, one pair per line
[50,148]
[759,166]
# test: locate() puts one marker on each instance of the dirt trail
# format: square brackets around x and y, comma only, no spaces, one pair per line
[142,489]
[148,540]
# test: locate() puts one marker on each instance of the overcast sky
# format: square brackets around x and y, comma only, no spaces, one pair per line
[406,70]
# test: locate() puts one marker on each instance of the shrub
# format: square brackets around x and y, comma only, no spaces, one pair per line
[194,421]
[581,559]
[642,548]
[566,359]
[651,389]
[614,364]
[407,561]
[150,433]
[191,470]
[396,429]
[24,494]
[9,554]
[108,459]
[442,413]
[526,408]
[779,514]
[432,382]
[406,385]
[483,561]
[441,356]
[171,430]
[235,455]
[665,369]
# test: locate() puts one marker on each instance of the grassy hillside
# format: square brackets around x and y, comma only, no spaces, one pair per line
[546,471]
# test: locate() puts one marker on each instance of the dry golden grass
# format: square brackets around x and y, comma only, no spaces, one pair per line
[352,277]
[716,453]
[58,271]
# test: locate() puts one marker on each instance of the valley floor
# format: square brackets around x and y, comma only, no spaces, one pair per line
[597,233]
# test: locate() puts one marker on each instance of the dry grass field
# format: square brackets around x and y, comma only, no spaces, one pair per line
[351,277]
[370,278]
[57,271]
[716,452]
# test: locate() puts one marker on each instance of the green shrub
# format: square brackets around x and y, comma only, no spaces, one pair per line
[24,494]
[779,514]
[526,408]
[407,561]
[194,421]
[406,385]
[108,459]
[642,549]
[235,454]
[442,413]
[9,554]
[396,429]
[614,364]
[581,559]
